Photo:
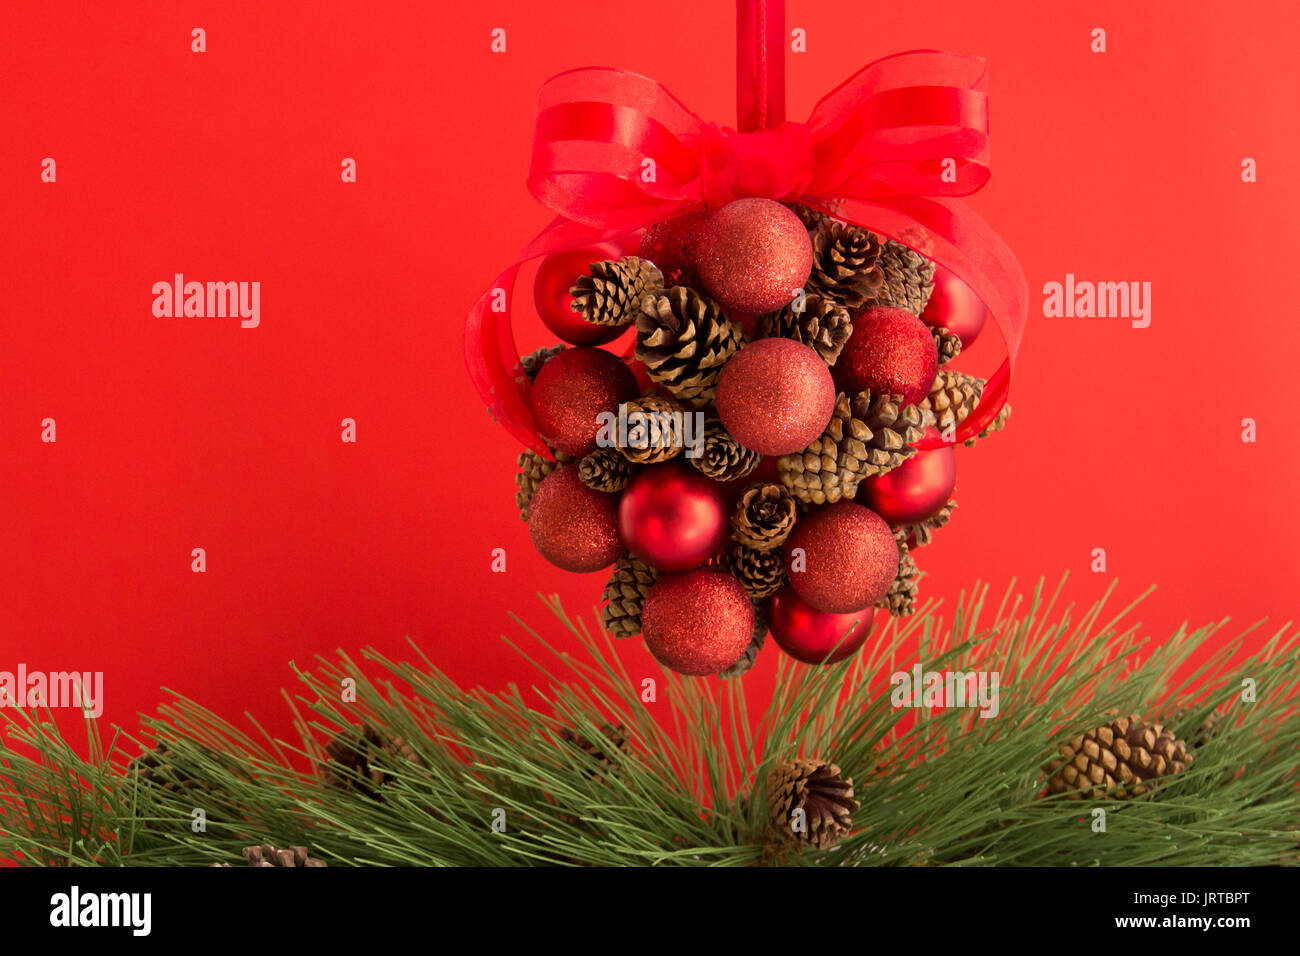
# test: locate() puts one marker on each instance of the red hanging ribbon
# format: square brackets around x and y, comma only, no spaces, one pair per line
[890,149]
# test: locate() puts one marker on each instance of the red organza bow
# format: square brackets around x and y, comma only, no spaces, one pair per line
[888,150]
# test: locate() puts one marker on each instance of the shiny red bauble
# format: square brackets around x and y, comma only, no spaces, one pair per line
[670,245]
[915,490]
[954,306]
[572,526]
[753,255]
[555,276]
[571,392]
[697,623]
[814,636]
[841,558]
[775,396]
[673,517]
[891,352]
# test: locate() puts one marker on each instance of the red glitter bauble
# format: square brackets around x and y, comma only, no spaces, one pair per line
[813,636]
[572,389]
[841,558]
[954,306]
[891,352]
[555,276]
[775,396]
[670,245]
[915,490]
[673,517]
[572,526]
[753,255]
[697,623]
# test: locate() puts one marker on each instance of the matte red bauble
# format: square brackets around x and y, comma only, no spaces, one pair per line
[555,276]
[697,623]
[954,306]
[891,352]
[915,490]
[848,555]
[673,517]
[572,389]
[810,635]
[670,245]
[775,396]
[753,254]
[572,526]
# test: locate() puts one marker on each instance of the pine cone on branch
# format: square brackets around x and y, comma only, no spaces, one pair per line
[267,855]
[760,573]
[612,293]
[922,532]
[748,658]
[908,275]
[821,792]
[900,599]
[948,345]
[599,752]
[359,756]
[684,339]
[721,457]
[1120,759]
[625,594]
[532,362]
[844,264]
[953,396]
[654,430]
[606,469]
[764,516]
[820,323]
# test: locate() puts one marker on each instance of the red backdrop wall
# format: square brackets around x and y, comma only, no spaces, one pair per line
[225,165]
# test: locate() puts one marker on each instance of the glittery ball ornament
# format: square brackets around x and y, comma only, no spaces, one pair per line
[775,396]
[841,558]
[914,491]
[814,636]
[671,245]
[555,276]
[954,306]
[891,352]
[673,517]
[752,255]
[572,526]
[572,390]
[697,623]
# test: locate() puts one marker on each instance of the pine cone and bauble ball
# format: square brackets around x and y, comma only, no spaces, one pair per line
[1121,759]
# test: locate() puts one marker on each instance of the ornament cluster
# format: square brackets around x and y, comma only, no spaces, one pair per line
[751,466]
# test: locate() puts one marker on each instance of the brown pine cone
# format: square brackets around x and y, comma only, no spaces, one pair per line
[748,658]
[948,345]
[684,340]
[844,265]
[612,293]
[909,278]
[654,430]
[999,422]
[821,324]
[900,599]
[532,469]
[764,517]
[721,457]
[821,791]
[761,573]
[267,855]
[359,755]
[533,361]
[867,435]
[606,469]
[625,594]
[600,752]
[1119,759]
[953,396]
[922,532]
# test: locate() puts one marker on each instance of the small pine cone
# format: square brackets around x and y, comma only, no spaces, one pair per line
[748,658]
[764,517]
[611,294]
[533,361]
[532,469]
[267,855]
[999,422]
[684,340]
[952,397]
[909,278]
[821,791]
[600,752]
[948,344]
[922,532]
[900,599]
[359,755]
[1119,759]
[654,430]
[606,469]
[844,265]
[821,324]
[721,457]
[158,768]
[761,573]
[625,594]
[811,218]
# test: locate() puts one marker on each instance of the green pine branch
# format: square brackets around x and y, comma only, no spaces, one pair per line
[935,786]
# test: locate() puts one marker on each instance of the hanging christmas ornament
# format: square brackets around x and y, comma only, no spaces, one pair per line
[753,255]
[572,526]
[572,390]
[555,277]
[697,623]
[841,558]
[775,396]
[814,636]
[891,352]
[916,490]
[671,246]
[672,517]
[954,306]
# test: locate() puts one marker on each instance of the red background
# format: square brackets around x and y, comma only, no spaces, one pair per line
[183,433]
